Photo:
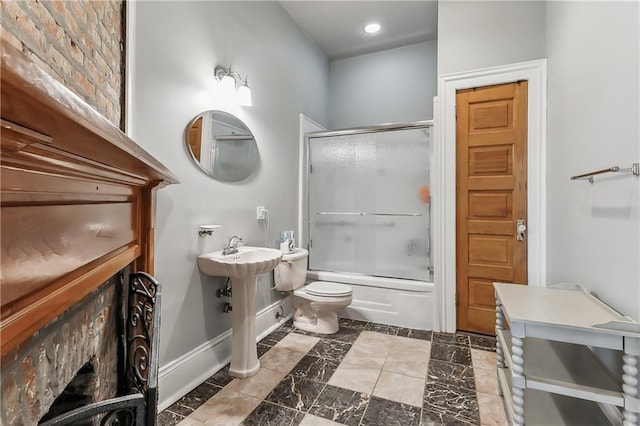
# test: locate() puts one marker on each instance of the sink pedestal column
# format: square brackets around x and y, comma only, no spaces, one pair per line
[244,355]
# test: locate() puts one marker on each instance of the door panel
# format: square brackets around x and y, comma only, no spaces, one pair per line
[496,273]
[488,227]
[491,160]
[491,183]
[481,293]
[493,116]
[490,205]
[491,196]
[493,250]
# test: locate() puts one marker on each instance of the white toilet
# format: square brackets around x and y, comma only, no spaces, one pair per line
[316,305]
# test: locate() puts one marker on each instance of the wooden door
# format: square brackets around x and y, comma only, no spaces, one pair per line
[194,137]
[491,196]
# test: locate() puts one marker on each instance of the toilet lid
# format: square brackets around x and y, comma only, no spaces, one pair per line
[327,288]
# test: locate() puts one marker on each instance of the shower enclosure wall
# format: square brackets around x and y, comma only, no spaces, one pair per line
[368,219]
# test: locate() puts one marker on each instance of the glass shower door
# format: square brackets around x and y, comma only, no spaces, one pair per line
[367,208]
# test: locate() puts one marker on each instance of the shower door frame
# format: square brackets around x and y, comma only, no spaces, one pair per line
[305,219]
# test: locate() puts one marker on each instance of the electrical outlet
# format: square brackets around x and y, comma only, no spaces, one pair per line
[261,213]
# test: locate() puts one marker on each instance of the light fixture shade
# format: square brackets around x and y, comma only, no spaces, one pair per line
[227,89]
[232,87]
[243,96]
[228,83]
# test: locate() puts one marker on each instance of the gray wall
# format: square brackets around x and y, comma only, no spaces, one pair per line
[593,123]
[593,234]
[177,46]
[478,34]
[396,85]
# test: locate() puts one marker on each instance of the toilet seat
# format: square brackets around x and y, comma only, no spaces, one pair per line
[327,289]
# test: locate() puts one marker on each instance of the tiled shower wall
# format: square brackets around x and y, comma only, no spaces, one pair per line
[79,42]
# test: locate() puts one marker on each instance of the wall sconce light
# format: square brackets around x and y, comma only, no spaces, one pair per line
[231,81]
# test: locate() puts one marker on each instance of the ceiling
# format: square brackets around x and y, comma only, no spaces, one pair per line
[338,26]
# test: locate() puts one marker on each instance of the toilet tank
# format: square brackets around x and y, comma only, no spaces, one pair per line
[291,273]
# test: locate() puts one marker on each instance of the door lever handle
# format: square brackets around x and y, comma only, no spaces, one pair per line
[521,228]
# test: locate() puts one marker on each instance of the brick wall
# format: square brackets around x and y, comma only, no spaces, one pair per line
[78,42]
[81,44]
[36,373]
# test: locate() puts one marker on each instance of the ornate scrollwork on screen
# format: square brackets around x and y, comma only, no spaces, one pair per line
[139,406]
[142,327]
[128,410]
[120,417]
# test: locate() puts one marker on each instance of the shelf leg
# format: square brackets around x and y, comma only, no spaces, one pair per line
[518,383]
[499,326]
[630,388]
[499,352]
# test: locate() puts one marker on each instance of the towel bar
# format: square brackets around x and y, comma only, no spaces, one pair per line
[635,169]
[368,214]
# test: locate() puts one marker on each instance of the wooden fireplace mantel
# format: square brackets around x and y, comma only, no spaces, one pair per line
[76,201]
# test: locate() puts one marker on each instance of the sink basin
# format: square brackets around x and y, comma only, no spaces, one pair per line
[243,268]
[247,262]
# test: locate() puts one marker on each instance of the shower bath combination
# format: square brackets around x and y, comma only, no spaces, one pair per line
[368,221]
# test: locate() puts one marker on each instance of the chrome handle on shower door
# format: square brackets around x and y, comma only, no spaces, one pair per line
[520,229]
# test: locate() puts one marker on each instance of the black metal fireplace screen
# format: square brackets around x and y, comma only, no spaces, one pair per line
[138,402]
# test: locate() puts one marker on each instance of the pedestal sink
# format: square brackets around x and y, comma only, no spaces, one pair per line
[243,268]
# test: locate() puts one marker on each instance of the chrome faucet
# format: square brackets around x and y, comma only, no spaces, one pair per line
[231,247]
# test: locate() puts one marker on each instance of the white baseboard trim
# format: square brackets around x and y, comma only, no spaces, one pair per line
[180,376]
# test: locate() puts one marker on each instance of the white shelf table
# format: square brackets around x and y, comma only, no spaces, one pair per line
[546,369]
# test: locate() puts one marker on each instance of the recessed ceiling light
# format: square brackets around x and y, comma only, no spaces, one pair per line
[372,28]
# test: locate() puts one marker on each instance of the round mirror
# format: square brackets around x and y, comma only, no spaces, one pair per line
[222,145]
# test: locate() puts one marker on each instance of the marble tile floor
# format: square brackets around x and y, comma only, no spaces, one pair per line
[366,374]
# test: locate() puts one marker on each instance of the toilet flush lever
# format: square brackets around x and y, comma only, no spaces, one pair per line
[521,228]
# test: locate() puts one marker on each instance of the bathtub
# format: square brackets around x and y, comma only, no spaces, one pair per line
[392,301]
